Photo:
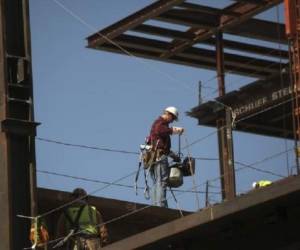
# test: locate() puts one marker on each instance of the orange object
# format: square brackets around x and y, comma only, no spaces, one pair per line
[290,18]
[42,235]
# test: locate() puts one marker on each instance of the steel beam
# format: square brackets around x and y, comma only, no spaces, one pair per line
[234,63]
[246,10]
[230,224]
[17,165]
[220,63]
[208,10]
[189,18]
[5,195]
[183,60]
[133,20]
[234,45]
[227,175]
[268,31]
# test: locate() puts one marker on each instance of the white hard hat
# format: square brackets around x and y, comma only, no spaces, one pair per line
[173,111]
[254,184]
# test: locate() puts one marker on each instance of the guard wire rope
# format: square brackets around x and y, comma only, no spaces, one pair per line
[122,178]
[184,147]
[147,206]
[135,211]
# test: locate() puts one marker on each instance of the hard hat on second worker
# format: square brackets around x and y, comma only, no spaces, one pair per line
[79,192]
[254,184]
[173,111]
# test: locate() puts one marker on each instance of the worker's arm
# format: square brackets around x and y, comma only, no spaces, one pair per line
[103,232]
[161,129]
[60,227]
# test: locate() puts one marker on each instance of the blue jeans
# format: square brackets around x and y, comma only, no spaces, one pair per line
[160,174]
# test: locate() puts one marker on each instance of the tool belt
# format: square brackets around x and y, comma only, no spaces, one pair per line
[151,156]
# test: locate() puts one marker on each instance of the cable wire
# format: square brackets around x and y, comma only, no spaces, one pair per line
[168,198]
[106,182]
[145,207]
[87,147]
[83,197]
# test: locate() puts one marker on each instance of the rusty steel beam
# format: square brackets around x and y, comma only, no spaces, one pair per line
[189,59]
[227,175]
[234,45]
[207,9]
[189,18]
[258,216]
[183,61]
[268,31]
[246,10]
[17,131]
[244,63]
[220,63]
[277,131]
[253,104]
[133,20]
[5,197]
[292,18]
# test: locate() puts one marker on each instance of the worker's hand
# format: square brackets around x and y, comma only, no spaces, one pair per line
[104,234]
[177,130]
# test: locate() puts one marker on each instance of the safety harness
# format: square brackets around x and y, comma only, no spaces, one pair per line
[148,158]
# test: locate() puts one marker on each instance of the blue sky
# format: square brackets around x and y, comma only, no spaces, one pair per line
[101,99]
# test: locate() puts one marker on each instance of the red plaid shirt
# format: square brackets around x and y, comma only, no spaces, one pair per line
[160,132]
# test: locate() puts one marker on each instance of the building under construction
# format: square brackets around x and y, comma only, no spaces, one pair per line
[263,218]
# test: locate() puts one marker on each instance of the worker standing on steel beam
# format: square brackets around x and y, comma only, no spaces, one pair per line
[81,225]
[161,142]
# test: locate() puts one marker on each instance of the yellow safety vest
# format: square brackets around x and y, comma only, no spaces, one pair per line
[264,183]
[86,222]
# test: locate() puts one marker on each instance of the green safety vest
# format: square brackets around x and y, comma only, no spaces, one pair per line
[82,218]
[264,183]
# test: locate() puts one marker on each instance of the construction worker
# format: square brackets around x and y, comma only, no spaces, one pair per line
[80,225]
[262,183]
[161,142]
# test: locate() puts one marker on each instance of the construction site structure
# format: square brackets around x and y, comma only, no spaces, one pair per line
[268,217]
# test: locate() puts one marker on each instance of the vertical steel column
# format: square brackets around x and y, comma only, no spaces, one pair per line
[220,63]
[224,131]
[5,215]
[292,24]
[17,150]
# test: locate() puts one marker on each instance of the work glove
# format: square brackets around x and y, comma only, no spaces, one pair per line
[177,130]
